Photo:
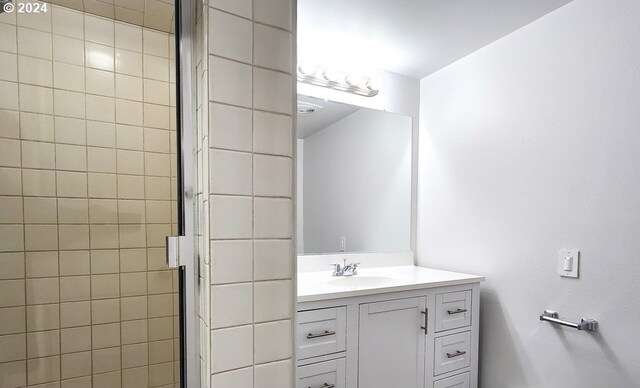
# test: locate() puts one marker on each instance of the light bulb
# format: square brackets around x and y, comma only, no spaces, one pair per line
[333,76]
[306,69]
[375,83]
[356,80]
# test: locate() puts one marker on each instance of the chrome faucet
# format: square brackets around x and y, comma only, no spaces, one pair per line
[346,269]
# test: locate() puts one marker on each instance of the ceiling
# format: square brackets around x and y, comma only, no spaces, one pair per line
[409,37]
[329,113]
[154,14]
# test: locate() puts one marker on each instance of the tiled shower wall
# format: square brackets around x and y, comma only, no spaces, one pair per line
[87,183]
[247,263]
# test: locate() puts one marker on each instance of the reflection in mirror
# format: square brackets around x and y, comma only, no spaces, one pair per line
[354,179]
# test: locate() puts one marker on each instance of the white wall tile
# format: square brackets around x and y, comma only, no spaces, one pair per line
[156,92]
[35,99]
[128,87]
[231,261]
[38,155]
[230,36]
[230,82]
[273,300]
[101,134]
[98,30]
[272,91]
[272,341]
[230,172]
[278,374]
[128,62]
[272,48]
[34,43]
[9,95]
[231,217]
[9,153]
[100,108]
[34,126]
[100,82]
[99,56]
[67,22]
[68,50]
[11,124]
[272,259]
[272,176]
[38,21]
[8,44]
[69,104]
[128,37]
[231,348]
[236,378]
[231,305]
[273,218]
[275,12]
[238,7]
[35,71]
[129,112]
[69,77]
[155,67]
[71,157]
[9,65]
[230,127]
[155,43]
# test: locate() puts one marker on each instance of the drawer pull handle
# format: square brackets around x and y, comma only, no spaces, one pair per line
[325,385]
[458,353]
[426,320]
[322,334]
[457,311]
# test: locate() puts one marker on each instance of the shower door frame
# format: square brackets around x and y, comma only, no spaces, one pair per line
[185,14]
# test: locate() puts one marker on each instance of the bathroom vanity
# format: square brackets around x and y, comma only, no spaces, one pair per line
[385,323]
[395,326]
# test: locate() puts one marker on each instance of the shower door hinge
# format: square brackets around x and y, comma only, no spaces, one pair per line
[173,250]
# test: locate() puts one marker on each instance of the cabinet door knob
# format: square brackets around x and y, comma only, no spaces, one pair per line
[456,311]
[458,353]
[321,334]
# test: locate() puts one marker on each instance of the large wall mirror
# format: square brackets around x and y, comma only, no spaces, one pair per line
[354,178]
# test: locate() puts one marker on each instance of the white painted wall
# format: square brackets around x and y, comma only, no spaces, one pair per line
[527,146]
[357,184]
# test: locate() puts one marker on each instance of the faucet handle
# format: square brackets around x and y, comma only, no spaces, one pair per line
[336,268]
[354,267]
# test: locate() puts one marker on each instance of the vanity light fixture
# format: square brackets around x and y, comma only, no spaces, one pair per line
[339,80]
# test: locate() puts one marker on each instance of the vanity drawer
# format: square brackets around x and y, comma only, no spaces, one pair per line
[453,310]
[321,332]
[458,381]
[327,374]
[452,352]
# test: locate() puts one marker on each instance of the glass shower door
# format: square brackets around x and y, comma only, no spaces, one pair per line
[89,191]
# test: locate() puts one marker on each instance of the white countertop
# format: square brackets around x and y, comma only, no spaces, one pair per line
[320,285]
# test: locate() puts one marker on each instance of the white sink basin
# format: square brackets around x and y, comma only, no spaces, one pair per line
[361,281]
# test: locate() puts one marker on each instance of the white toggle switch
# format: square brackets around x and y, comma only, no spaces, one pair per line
[568,262]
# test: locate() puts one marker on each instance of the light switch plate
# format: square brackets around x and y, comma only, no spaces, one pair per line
[573,257]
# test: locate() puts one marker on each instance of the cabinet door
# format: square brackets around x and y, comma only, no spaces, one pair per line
[391,344]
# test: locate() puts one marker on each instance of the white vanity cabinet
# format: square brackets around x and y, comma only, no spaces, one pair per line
[419,338]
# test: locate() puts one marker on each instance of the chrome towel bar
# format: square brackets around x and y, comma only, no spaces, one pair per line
[584,324]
